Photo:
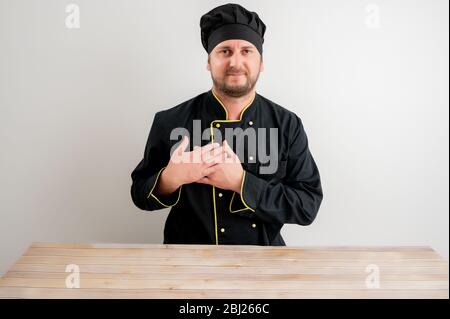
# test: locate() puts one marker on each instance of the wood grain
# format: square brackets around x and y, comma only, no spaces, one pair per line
[203,271]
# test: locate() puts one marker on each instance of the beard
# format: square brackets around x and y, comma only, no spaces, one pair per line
[235,90]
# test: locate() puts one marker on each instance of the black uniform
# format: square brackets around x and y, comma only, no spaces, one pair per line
[204,214]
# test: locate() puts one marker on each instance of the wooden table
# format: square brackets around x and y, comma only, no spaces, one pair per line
[200,271]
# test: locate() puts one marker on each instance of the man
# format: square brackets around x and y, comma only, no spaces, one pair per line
[219,191]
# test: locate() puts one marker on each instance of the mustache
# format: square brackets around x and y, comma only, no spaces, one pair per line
[236,72]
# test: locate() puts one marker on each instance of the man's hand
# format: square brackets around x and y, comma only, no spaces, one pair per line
[226,174]
[187,167]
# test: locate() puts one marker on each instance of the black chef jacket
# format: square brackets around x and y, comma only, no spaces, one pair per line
[204,214]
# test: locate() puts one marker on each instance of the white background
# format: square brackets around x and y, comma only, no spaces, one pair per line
[76,106]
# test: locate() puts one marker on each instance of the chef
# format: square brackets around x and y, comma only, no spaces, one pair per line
[232,166]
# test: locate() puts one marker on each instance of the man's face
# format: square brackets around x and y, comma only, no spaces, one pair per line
[235,66]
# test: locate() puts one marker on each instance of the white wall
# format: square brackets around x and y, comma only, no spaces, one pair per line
[76,106]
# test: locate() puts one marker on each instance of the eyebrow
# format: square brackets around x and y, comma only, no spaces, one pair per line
[228,47]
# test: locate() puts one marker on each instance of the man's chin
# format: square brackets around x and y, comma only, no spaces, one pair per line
[235,91]
[237,87]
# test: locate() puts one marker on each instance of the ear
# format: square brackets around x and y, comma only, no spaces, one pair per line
[261,68]
[208,66]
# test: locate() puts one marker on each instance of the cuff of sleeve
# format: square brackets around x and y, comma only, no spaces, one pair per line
[237,205]
[165,201]
[251,190]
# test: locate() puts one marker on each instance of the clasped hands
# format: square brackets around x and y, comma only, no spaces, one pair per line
[212,164]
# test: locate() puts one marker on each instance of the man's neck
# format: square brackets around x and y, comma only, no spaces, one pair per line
[235,105]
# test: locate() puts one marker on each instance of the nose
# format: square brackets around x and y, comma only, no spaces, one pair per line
[235,61]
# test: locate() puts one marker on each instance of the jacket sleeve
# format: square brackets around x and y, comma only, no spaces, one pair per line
[146,175]
[294,200]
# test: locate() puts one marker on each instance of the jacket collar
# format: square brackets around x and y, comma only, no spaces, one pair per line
[219,111]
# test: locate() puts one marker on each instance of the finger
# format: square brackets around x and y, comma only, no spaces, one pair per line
[227,148]
[213,160]
[210,156]
[228,151]
[184,143]
[209,147]
[209,170]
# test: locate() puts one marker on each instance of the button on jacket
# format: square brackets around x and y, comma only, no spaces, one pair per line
[204,214]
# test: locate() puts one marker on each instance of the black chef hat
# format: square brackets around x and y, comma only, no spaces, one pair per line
[231,21]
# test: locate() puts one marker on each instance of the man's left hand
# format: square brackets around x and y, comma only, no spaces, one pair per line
[227,174]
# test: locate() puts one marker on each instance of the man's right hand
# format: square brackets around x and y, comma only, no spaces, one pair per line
[188,167]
